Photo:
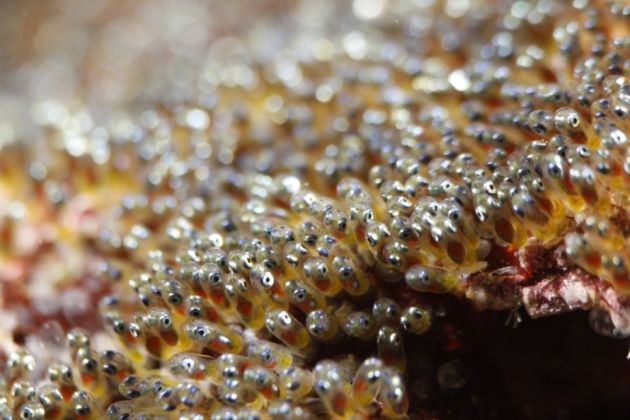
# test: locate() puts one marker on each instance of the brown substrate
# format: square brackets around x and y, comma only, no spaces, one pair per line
[549,368]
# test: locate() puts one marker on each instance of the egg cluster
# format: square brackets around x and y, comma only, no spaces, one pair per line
[279,209]
[194,386]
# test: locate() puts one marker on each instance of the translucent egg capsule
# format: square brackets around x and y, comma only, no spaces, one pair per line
[395,254]
[84,405]
[567,121]
[288,410]
[87,363]
[188,365]
[377,235]
[430,279]
[268,284]
[32,410]
[336,221]
[141,333]
[362,213]
[303,296]
[359,324]
[526,208]
[379,174]
[269,354]
[225,413]
[352,189]
[22,391]
[167,399]
[135,387]
[190,415]
[457,245]
[610,135]
[187,269]
[386,311]
[160,322]
[309,231]
[116,323]
[173,293]
[77,339]
[240,262]
[149,296]
[577,154]
[212,280]
[61,375]
[331,383]
[401,228]
[440,183]
[326,245]
[540,122]
[235,392]
[416,185]
[263,380]
[205,335]
[19,364]
[321,325]
[319,206]
[248,413]
[114,364]
[197,307]
[390,347]
[192,396]
[593,255]
[350,275]
[394,395]
[269,256]
[584,179]
[295,253]
[287,329]
[230,366]
[131,410]
[600,108]
[215,256]
[301,200]
[367,381]
[609,168]
[605,231]
[51,399]
[294,382]
[246,301]
[316,272]
[415,320]
[391,189]
[554,167]
[282,234]
[620,104]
